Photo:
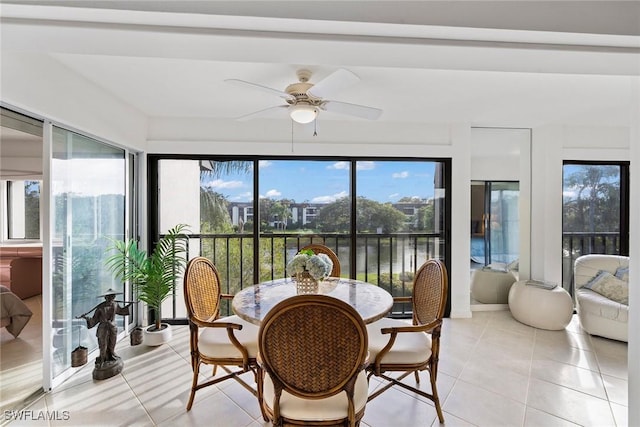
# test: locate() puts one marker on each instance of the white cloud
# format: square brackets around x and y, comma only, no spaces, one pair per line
[359,165]
[394,195]
[339,165]
[402,175]
[362,166]
[273,193]
[264,164]
[330,198]
[219,184]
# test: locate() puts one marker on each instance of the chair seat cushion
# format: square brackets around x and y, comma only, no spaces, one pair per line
[214,342]
[409,347]
[330,408]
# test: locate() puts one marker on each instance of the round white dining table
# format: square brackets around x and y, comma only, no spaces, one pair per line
[370,301]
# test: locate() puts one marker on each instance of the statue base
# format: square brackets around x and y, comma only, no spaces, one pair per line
[102,371]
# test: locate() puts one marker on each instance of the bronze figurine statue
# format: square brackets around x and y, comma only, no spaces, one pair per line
[108,363]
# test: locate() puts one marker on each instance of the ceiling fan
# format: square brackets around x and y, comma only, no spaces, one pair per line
[304,100]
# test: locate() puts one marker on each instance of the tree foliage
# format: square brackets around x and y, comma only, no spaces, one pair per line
[214,213]
[335,217]
[592,199]
[425,218]
[371,217]
[32,209]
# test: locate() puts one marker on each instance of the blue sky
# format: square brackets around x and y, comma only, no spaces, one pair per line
[326,181]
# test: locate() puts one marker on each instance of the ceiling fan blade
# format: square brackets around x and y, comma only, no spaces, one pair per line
[333,83]
[369,113]
[272,91]
[261,113]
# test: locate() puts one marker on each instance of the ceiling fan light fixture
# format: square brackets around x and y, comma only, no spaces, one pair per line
[303,113]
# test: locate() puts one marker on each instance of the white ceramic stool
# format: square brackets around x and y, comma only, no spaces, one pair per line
[539,307]
[491,286]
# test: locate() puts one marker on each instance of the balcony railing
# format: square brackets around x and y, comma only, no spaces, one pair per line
[575,244]
[386,260]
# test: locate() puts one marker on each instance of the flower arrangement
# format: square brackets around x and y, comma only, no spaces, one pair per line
[318,266]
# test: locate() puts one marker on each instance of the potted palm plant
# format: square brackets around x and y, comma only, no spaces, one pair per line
[153,276]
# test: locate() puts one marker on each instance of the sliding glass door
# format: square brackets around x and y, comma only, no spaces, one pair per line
[87,197]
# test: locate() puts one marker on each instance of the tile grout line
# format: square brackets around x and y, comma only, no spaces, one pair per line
[457,378]
[606,392]
[526,396]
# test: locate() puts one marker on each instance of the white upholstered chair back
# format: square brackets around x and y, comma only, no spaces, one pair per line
[588,266]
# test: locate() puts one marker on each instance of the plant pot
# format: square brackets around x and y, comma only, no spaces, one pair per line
[136,336]
[155,338]
[79,356]
[306,284]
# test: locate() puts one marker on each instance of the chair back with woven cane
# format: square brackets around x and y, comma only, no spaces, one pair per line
[313,350]
[322,249]
[216,341]
[420,342]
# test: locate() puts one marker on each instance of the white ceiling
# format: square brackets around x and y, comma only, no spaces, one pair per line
[508,64]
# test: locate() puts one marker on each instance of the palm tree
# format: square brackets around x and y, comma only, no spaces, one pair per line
[154,276]
[213,205]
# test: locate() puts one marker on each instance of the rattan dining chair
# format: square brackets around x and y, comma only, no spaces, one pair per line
[395,345]
[224,342]
[322,249]
[312,352]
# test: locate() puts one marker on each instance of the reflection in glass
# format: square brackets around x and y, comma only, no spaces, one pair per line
[88,203]
[495,223]
[23,209]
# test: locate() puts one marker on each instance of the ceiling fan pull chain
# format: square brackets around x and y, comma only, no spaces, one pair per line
[292,135]
[315,126]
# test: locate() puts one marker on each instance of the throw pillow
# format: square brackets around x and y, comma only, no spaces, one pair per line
[609,286]
[622,273]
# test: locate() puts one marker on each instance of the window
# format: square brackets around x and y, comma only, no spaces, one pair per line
[23,210]
[595,212]
[382,217]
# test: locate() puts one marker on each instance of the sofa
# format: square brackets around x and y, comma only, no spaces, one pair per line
[601,291]
[21,270]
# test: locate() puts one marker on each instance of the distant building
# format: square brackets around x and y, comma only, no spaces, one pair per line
[305,213]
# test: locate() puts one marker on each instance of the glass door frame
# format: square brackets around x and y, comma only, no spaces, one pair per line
[47,221]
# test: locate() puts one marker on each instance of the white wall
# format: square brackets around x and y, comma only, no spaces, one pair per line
[43,87]
[495,153]
[176,205]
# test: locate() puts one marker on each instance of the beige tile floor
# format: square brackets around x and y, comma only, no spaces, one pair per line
[21,360]
[494,371]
